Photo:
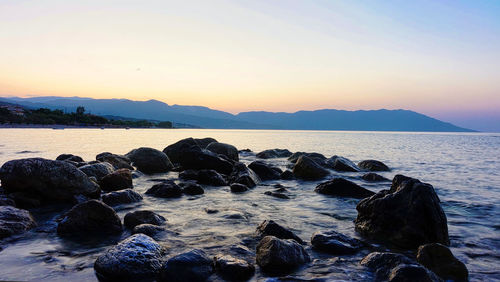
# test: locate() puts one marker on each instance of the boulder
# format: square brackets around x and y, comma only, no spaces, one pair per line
[278,256]
[277,194]
[373,177]
[135,218]
[411,272]
[342,164]
[175,151]
[287,175]
[149,229]
[194,265]
[265,171]
[117,161]
[271,228]
[373,165]
[441,261]
[138,257]
[408,215]
[192,189]
[306,168]
[126,196]
[196,158]
[5,201]
[118,180]
[396,267]
[167,189]
[149,160]
[204,176]
[70,158]
[204,142]
[243,175]
[233,269]
[14,221]
[317,157]
[48,179]
[91,217]
[335,243]
[343,188]
[238,188]
[224,149]
[98,170]
[274,153]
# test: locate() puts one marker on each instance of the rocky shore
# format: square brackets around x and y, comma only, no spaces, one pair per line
[402,231]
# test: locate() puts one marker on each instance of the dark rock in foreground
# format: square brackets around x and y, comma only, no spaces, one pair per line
[306,168]
[194,265]
[98,170]
[243,175]
[192,189]
[335,243]
[373,177]
[196,158]
[232,269]
[274,153]
[138,257]
[342,164]
[278,256]
[265,171]
[343,188]
[204,176]
[270,227]
[126,196]
[441,261]
[90,218]
[408,215]
[4,201]
[149,229]
[117,161]
[69,157]
[238,188]
[224,149]
[135,218]
[287,175]
[317,157]
[167,189]
[118,180]
[14,221]
[149,160]
[373,165]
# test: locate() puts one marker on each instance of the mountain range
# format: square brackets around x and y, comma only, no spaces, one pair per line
[326,119]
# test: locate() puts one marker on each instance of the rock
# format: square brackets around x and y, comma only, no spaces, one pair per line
[224,149]
[276,255]
[167,189]
[175,151]
[408,215]
[69,157]
[318,158]
[204,176]
[14,221]
[342,164]
[4,201]
[409,273]
[135,218]
[441,261]
[306,168]
[343,188]
[126,196]
[233,269]
[271,228]
[149,160]
[194,265]
[98,170]
[118,180]
[276,194]
[287,175]
[335,243]
[25,200]
[137,174]
[196,158]
[192,189]
[138,257]
[243,175]
[238,188]
[265,171]
[373,177]
[373,165]
[117,161]
[91,217]
[149,229]
[396,267]
[274,153]
[204,142]
[48,179]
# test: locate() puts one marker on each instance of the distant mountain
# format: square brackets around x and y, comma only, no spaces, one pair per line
[376,120]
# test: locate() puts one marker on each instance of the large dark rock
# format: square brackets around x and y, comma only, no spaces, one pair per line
[204,176]
[335,243]
[118,180]
[117,161]
[441,261]
[373,177]
[47,179]
[167,189]
[317,157]
[408,215]
[14,221]
[204,142]
[306,168]
[238,188]
[135,218]
[175,151]
[149,160]
[274,153]
[271,228]
[70,158]
[224,149]
[287,175]
[136,258]
[265,171]
[373,165]
[98,170]
[233,269]
[91,217]
[279,256]
[343,188]
[196,158]
[243,175]
[339,163]
[192,189]
[194,266]
[126,196]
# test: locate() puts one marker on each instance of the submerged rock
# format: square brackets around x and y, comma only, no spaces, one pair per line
[192,189]
[204,176]
[265,171]
[91,217]
[117,161]
[118,180]
[408,215]
[287,175]
[373,165]
[98,170]
[441,261]
[270,227]
[167,189]
[306,168]
[126,196]
[279,256]
[135,218]
[138,257]
[231,268]
[396,267]
[373,177]
[149,160]
[274,153]
[69,157]
[224,149]
[277,194]
[243,175]
[343,188]
[14,221]
[194,265]
[342,164]
[335,243]
[238,188]
[149,229]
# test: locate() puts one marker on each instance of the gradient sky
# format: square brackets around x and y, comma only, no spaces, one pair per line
[440,58]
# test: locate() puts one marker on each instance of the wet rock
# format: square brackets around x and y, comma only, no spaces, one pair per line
[408,215]
[276,194]
[149,160]
[238,188]
[138,257]
[126,196]
[412,272]
[118,180]
[5,201]
[441,261]
[175,151]
[194,265]
[373,177]
[318,158]
[137,174]
[48,179]
[306,168]
[335,243]
[192,189]
[196,158]
[342,164]
[373,165]
[14,221]
[167,189]
[233,269]
[343,188]
[69,157]
[204,176]
[135,218]
[149,229]
[270,227]
[117,161]
[287,175]
[91,217]
[276,255]
[26,200]
[243,175]
[265,171]
[204,142]
[274,153]
[396,267]
[98,170]
[224,149]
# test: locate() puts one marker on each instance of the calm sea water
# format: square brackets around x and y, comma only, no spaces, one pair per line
[463,168]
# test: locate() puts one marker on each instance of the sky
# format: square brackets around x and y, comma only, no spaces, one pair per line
[440,58]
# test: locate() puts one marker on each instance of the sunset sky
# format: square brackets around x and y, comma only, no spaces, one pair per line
[440,58]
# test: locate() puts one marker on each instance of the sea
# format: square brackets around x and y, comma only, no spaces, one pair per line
[464,169]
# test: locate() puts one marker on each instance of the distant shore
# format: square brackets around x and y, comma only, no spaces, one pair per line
[61,126]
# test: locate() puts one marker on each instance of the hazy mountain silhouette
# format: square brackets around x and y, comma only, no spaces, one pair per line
[377,120]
